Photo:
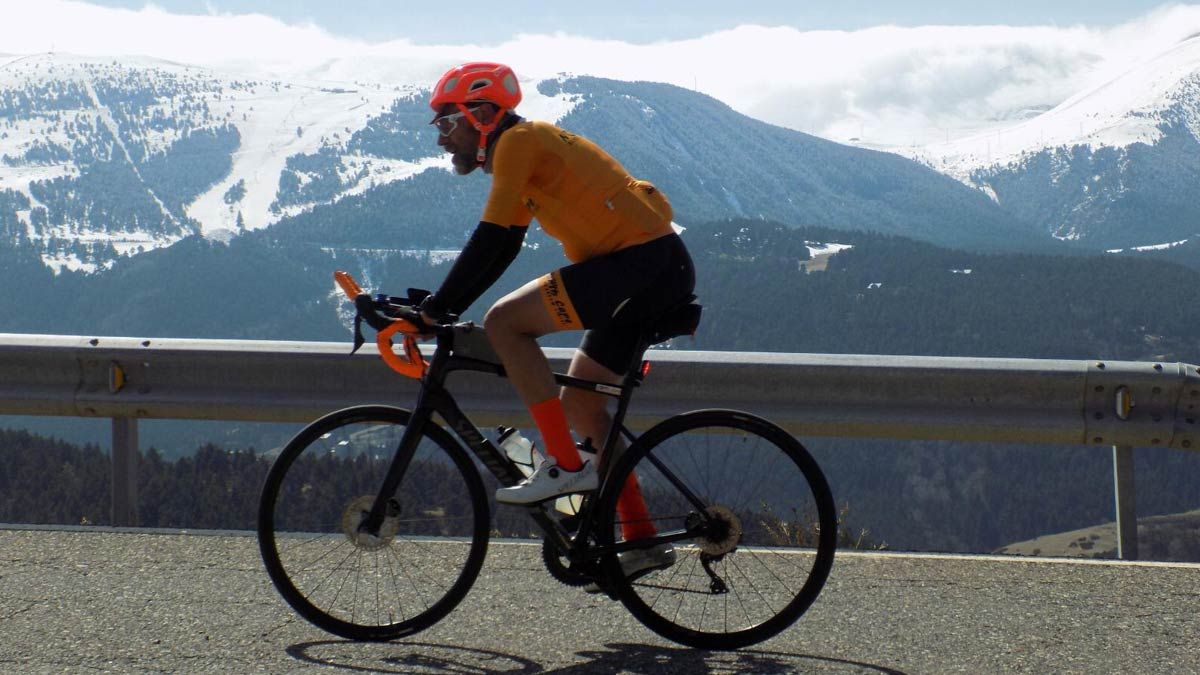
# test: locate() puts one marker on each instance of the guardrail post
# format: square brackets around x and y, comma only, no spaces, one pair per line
[1126,496]
[124,471]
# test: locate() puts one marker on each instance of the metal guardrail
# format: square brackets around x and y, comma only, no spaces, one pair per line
[1121,404]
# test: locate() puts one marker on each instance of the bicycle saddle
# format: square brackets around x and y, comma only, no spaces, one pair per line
[682,319]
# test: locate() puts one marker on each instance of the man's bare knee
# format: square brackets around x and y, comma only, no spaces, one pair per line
[504,321]
[497,319]
[517,314]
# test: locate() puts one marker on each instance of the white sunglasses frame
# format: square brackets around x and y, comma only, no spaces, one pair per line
[452,118]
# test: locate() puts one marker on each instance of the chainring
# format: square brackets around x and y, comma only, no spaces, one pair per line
[571,574]
[568,573]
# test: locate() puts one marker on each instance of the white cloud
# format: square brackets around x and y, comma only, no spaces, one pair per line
[885,84]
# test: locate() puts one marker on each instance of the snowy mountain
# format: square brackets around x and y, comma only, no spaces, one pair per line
[1115,166]
[104,158]
[100,158]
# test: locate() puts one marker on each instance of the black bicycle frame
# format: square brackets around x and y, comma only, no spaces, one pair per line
[434,397]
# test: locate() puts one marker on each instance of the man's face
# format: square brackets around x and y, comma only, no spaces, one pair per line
[462,140]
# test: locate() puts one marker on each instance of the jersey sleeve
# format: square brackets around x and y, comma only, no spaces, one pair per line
[489,251]
[512,168]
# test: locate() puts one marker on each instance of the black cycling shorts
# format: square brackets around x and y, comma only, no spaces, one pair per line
[612,296]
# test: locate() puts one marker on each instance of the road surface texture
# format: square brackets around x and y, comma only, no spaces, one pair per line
[102,600]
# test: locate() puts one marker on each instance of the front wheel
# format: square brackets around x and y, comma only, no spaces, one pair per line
[759,520]
[426,554]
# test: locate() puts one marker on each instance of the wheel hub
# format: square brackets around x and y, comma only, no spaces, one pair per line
[722,532]
[357,511]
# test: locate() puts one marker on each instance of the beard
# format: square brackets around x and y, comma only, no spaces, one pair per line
[464,162]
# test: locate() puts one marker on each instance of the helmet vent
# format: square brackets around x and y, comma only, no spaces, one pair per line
[510,83]
[479,84]
[450,85]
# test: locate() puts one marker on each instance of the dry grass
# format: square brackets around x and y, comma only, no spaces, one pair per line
[803,530]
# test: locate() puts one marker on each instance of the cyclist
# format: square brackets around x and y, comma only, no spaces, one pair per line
[627,265]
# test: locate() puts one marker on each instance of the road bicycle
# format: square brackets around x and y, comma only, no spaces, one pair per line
[374,521]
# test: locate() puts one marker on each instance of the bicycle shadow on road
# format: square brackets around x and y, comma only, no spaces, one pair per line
[424,657]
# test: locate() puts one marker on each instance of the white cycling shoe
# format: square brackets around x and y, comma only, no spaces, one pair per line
[639,562]
[548,481]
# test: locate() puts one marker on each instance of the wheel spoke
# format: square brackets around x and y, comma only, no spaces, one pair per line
[417,566]
[758,485]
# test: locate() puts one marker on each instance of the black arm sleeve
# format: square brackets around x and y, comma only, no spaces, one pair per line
[489,251]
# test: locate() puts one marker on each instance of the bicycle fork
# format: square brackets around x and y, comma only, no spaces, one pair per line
[405,451]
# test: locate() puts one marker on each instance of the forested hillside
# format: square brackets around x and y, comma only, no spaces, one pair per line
[911,496]
[885,295]
[758,283]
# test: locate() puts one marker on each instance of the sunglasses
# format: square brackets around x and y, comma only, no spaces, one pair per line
[446,123]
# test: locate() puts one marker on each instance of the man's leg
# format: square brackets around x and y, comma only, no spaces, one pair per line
[588,413]
[513,326]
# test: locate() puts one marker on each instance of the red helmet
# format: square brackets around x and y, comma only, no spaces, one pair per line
[477,82]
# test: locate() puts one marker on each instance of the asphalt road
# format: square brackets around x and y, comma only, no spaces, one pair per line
[107,601]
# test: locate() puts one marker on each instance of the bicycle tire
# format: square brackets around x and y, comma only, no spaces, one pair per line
[428,554]
[777,529]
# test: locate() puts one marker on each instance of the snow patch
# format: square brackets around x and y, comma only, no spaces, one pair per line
[381,171]
[816,248]
[124,243]
[537,106]
[58,263]
[732,200]
[276,121]
[991,193]
[18,178]
[1151,247]
[435,256]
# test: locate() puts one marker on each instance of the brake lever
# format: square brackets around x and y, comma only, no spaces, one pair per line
[372,310]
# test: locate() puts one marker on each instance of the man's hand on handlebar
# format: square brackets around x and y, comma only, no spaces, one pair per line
[425,324]
[427,321]
[431,314]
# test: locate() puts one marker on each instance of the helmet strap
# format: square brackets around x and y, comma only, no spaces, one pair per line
[483,129]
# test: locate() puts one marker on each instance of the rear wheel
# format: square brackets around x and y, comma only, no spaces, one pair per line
[427,553]
[761,520]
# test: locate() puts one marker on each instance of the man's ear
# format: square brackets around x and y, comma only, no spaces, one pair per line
[487,113]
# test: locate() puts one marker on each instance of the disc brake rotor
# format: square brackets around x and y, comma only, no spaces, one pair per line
[357,511]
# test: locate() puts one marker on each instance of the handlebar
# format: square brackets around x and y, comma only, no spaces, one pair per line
[390,315]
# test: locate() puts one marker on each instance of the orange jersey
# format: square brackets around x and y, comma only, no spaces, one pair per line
[579,194]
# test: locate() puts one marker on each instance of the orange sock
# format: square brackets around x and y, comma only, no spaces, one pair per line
[631,509]
[552,423]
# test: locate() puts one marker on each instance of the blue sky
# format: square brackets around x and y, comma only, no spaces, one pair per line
[493,21]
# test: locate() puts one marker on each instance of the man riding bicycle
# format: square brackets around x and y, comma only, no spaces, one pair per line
[627,266]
